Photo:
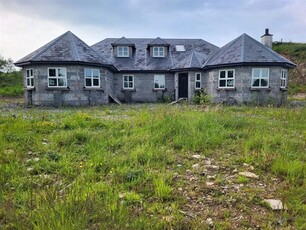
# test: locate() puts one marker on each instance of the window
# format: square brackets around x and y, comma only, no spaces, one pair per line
[128,82]
[159,81]
[198,81]
[180,48]
[227,78]
[260,78]
[284,77]
[57,77]
[92,77]
[158,51]
[29,78]
[122,51]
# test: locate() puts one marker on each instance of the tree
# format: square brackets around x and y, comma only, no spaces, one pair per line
[6,66]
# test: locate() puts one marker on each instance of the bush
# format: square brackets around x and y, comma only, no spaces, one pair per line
[201,98]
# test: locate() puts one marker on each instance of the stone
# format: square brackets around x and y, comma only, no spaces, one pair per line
[210,222]
[36,159]
[195,166]
[212,167]
[249,175]
[9,151]
[209,184]
[207,162]
[235,170]
[196,156]
[30,169]
[275,204]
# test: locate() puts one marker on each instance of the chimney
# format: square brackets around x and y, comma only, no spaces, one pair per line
[266,39]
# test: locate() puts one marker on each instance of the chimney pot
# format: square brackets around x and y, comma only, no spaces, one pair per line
[267,31]
[267,39]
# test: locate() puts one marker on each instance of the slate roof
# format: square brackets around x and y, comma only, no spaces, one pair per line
[196,54]
[123,42]
[65,48]
[245,50]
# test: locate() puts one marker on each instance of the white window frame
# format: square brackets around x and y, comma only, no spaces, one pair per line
[226,79]
[284,79]
[158,51]
[126,79]
[92,78]
[159,81]
[260,78]
[196,80]
[57,77]
[123,51]
[29,78]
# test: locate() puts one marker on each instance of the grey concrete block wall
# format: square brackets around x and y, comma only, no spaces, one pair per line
[74,93]
[243,92]
[143,88]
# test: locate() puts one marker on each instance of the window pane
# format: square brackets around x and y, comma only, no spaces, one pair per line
[61,82]
[61,72]
[87,73]
[256,73]
[52,73]
[87,82]
[230,74]
[222,83]
[198,77]
[96,82]
[28,82]
[125,78]
[31,72]
[198,85]
[255,82]
[32,81]
[222,74]
[130,84]
[28,73]
[130,78]
[264,73]
[156,85]
[125,85]
[264,82]
[230,83]
[52,82]
[96,73]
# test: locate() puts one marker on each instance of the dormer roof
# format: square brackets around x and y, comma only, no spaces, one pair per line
[158,42]
[123,42]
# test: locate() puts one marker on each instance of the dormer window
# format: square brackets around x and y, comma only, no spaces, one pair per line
[122,51]
[158,51]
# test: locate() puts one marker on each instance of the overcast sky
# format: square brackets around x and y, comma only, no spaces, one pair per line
[26,25]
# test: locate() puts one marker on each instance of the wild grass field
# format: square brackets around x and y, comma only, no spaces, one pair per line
[152,167]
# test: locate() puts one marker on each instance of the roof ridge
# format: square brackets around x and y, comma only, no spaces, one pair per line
[48,45]
[242,47]
[73,46]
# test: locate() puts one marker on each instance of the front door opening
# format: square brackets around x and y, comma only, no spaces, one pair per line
[183,85]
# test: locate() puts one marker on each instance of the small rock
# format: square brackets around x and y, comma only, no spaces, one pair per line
[235,170]
[195,166]
[249,175]
[207,162]
[275,204]
[209,184]
[211,176]
[9,151]
[179,165]
[30,169]
[30,152]
[196,156]
[210,222]
[180,189]
[245,165]
[36,159]
[28,160]
[121,195]
[212,167]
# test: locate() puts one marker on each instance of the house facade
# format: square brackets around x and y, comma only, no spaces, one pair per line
[67,71]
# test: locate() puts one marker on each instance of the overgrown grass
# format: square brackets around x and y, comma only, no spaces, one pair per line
[11,84]
[131,167]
